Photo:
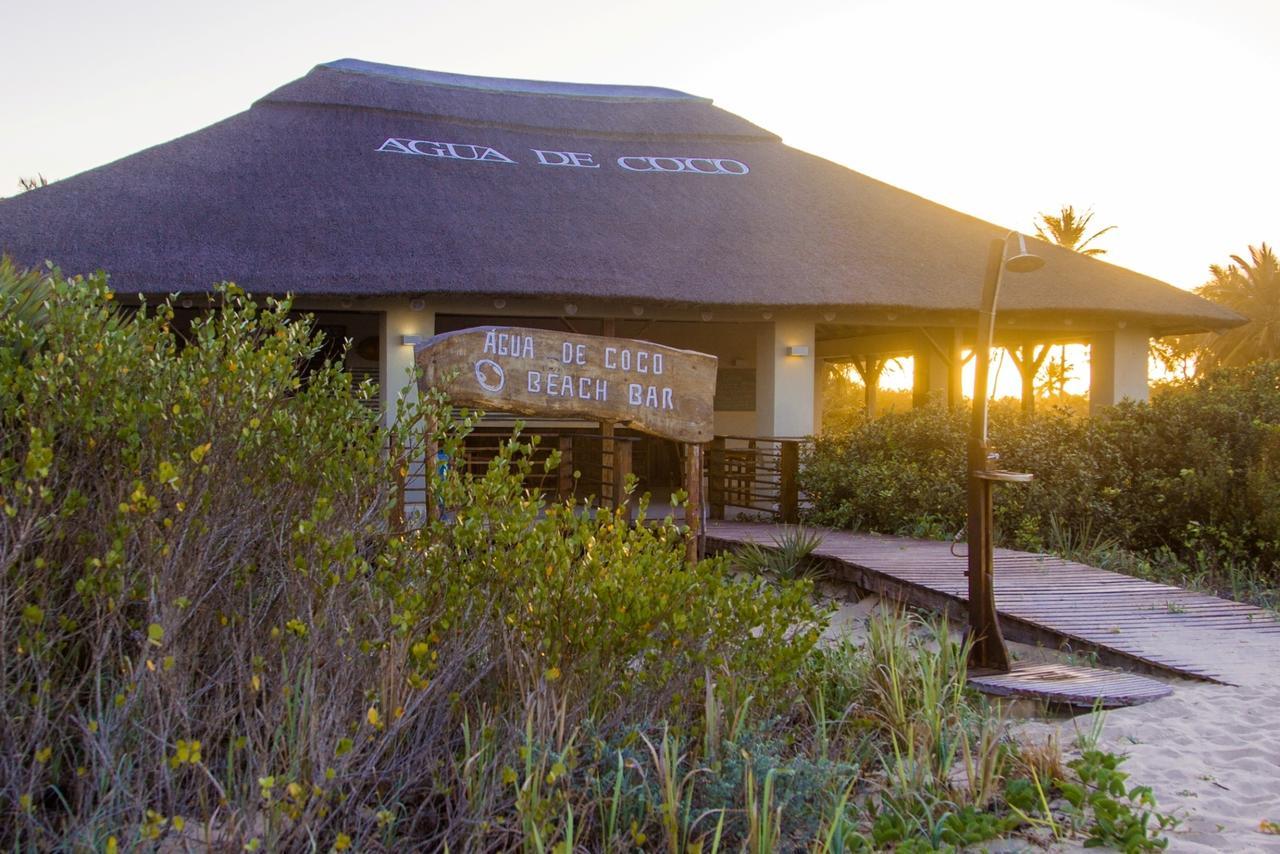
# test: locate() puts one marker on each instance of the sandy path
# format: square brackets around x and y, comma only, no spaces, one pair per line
[1211,753]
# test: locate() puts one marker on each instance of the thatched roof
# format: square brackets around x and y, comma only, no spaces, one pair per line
[339,183]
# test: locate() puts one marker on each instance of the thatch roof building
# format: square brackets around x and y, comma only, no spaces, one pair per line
[362,188]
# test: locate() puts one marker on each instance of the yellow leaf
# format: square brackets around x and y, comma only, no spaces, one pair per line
[342,843]
[372,716]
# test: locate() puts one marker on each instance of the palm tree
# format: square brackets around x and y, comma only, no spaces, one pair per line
[1067,230]
[1250,288]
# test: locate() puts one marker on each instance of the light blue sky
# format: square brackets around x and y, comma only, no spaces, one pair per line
[1163,116]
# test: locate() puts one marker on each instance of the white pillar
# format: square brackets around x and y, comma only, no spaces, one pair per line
[785,383]
[1118,367]
[820,368]
[397,358]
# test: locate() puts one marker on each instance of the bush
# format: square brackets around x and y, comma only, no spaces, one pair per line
[214,636]
[1193,476]
[211,633]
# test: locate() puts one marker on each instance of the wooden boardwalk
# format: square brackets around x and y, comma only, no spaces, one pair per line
[1042,600]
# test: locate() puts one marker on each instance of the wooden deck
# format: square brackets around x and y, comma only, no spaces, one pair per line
[1043,600]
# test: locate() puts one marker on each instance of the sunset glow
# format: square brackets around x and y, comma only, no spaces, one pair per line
[1156,114]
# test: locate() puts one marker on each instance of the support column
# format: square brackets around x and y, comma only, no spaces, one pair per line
[932,358]
[955,370]
[397,359]
[820,368]
[785,384]
[1027,358]
[1118,367]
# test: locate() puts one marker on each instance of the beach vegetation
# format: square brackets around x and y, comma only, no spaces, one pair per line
[1182,489]
[215,635]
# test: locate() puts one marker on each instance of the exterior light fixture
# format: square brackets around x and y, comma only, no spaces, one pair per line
[768,315]
[499,303]
[417,304]
[570,309]
[988,650]
[828,316]
[637,310]
[706,316]
[412,340]
[798,350]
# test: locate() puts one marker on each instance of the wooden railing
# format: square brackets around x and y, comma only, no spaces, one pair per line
[591,464]
[750,474]
[743,475]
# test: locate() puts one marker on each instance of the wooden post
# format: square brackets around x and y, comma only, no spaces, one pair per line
[955,370]
[693,509]
[564,487]
[621,470]
[608,464]
[789,487]
[1028,361]
[716,469]
[610,483]
[430,468]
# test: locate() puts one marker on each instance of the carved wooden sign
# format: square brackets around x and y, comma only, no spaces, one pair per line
[651,387]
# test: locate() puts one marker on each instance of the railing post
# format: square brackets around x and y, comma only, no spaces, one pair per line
[693,508]
[716,468]
[789,488]
[430,469]
[608,478]
[621,471]
[564,488]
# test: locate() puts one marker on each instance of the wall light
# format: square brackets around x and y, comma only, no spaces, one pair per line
[570,309]
[417,304]
[499,303]
[798,350]
[706,316]
[412,340]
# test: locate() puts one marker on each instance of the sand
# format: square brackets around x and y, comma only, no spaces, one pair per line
[1211,753]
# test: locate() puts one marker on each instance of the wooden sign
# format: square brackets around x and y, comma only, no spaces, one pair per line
[653,388]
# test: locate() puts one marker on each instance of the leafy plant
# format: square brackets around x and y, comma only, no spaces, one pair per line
[1119,817]
[789,557]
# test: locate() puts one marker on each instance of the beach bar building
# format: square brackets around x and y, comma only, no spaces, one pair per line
[395,203]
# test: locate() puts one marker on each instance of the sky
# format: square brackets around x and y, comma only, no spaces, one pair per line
[1159,115]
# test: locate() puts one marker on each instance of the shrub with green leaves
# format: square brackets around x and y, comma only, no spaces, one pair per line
[1192,477]
[213,634]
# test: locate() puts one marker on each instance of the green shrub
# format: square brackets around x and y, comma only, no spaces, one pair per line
[1193,475]
[212,633]
[215,637]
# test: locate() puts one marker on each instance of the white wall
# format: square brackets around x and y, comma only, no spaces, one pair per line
[1118,367]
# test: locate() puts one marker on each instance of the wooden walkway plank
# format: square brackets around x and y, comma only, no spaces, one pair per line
[1041,599]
